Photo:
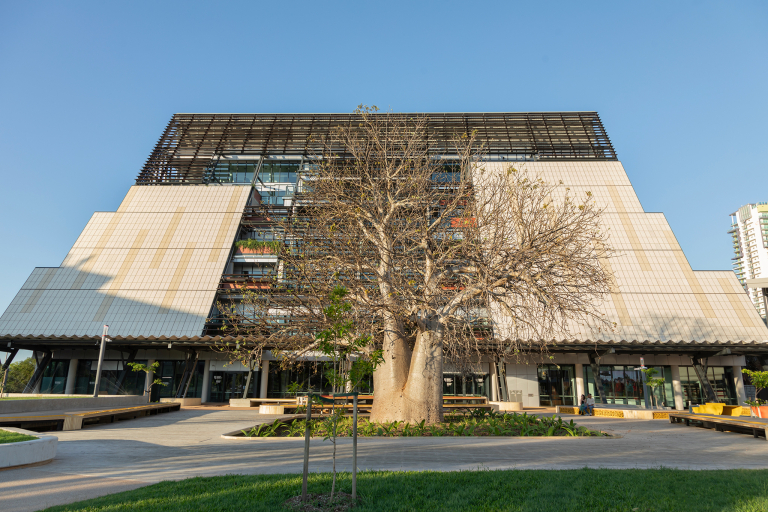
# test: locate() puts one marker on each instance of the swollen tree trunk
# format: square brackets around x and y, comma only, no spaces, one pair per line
[390,377]
[417,395]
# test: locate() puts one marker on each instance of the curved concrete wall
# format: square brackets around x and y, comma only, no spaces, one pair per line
[22,453]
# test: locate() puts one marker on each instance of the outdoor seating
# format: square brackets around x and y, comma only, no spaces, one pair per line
[256,402]
[76,420]
[718,409]
[756,428]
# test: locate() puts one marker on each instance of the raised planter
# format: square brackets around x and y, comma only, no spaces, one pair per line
[23,453]
[271,409]
[508,406]
[258,250]
[638,414]
[629,414]
[185,402]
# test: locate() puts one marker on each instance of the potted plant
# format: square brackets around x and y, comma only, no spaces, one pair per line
[760,381]
[258,246]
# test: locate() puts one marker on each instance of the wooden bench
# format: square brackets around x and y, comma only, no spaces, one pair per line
[465,400]
[468,406]
[74,420]
[255,402]
[721,424]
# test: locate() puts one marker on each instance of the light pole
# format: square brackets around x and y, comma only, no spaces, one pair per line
[642,379]
[104,340]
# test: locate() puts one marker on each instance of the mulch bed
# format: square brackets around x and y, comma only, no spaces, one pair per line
[321,503]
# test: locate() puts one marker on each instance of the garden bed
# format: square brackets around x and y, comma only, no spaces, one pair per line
[20,448]
[486,424]
[7,436]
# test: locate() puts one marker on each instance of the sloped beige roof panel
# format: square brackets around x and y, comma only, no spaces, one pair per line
[149,269]
[657,296]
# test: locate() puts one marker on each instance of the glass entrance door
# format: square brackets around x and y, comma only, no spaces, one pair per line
[556,385]
[226,385]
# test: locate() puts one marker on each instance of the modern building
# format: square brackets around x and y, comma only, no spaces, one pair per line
[749,230]
[153,269]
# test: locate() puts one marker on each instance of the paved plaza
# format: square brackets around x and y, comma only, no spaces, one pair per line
[115,457]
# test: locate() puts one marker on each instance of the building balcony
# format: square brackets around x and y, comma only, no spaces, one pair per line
[235,282]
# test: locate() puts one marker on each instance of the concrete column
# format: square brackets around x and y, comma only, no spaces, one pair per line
[765,305]
[738,381]
[150,378]
[69,388]
[579,370]
[494,382]
[677,387]
[206,382]
[264,374]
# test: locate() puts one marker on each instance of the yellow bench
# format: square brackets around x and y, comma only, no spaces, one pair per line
[718,409]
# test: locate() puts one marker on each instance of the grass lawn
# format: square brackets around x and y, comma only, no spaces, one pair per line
[557,491]
[13,437]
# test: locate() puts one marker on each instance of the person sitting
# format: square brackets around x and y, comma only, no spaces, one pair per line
[583,404]
[590,405]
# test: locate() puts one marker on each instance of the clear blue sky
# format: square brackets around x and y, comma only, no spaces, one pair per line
[87,88]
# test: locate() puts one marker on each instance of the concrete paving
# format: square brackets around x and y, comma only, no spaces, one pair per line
[115,457]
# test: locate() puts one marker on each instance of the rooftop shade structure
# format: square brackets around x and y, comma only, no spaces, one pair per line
[191,141]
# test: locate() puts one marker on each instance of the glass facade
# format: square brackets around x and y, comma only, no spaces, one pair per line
[310,377]
[171,373]
[226,385]
[556,384]
[241,171]
[720,378]
[622,384]
[276,195]
[473,384]
[85,380]
[279,172]
[261,270]
[55,377]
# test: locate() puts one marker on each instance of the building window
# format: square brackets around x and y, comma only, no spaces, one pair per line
[623,385]
[720,378]
[279,172]
[171,373]
[472,384]
[556,385]
[132,384]
[309,375]
[54,379]
[231,384]
[264,270]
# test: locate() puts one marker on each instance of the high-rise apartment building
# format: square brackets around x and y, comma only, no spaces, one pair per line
[749,230]
[197,226]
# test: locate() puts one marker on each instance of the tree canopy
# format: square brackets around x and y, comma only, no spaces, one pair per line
[443,258]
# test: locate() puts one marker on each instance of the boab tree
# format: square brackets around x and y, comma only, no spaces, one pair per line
[427,247]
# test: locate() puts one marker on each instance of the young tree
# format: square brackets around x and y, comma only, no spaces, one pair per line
[349,365]
[652,382]
[428,248]
[759,379]
[151,369]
